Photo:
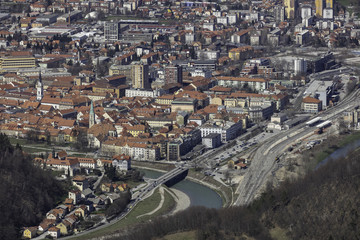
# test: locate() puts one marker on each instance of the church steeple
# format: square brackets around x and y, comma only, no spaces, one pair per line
[91,115]
[39,89]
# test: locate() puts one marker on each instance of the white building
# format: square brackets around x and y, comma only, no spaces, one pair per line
[300,66]
[143,93]
[87,163]
[209,26]
[201,73]
[232,19]
[222,20]
[227,130]
[328,13]
[122,162]
[306,12]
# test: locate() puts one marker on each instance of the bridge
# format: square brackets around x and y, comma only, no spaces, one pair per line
[169,179]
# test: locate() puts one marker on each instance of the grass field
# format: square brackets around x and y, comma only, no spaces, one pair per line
[147,205]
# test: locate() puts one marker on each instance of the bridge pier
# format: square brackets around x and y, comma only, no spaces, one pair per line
[176,178]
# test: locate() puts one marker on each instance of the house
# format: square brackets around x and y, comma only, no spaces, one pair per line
[75,195]
[69,203]
[55,214]
[80,182]
[104,162]
[54,232]
[86,193]
[122,187]
[65,164]
[122,162]
[46,224]
[71,219]
[30,232]
[81,211]
[64,227]
[108,187]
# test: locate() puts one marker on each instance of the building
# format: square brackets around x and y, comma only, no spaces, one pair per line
[319,6]
[39,89]
[54,232]
[279,12]
[122,162]
[140,73]
[290,8]
[329,3]
[184,104]
[241,53]
[303,37]
[213,140]
[30,232]
[311,105]
[112,31]
[17,60]
[300,66]
[322,90]
[122,70]
[143,93]
[328,13]
[227,130]
[91,115]
[80,182]
[306,12]
[173,74]
[258,84]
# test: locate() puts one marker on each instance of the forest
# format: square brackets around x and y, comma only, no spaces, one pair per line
[322,205]
[26,192]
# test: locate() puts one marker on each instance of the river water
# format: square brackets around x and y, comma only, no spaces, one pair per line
[199,195]
[341,152]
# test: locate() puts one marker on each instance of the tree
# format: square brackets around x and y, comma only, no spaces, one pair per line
[81,141]
[48,137]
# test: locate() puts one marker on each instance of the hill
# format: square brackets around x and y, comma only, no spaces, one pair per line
[26,191]
[322,205]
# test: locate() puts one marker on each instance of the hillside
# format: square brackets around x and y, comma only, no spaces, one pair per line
[322,205]
[26,192]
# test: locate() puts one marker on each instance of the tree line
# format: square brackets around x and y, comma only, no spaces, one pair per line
[26,191]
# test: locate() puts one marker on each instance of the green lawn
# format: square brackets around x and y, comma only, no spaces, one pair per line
[147,205]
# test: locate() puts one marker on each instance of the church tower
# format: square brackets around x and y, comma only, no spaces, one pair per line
[39,89]
[91,115]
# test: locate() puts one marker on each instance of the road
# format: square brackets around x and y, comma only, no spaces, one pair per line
[263,162]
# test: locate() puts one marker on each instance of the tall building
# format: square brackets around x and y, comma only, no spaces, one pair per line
[329,3]
[300,66]
[290,8]
[112,31]
[319,6]
[91,115]
[173,74]
[140,76]
[279,14]
[39,89]
[306,12]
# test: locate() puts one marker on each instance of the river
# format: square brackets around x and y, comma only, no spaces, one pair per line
[199,195]
[341,152]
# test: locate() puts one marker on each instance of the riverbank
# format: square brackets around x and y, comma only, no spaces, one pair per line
[298,165]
